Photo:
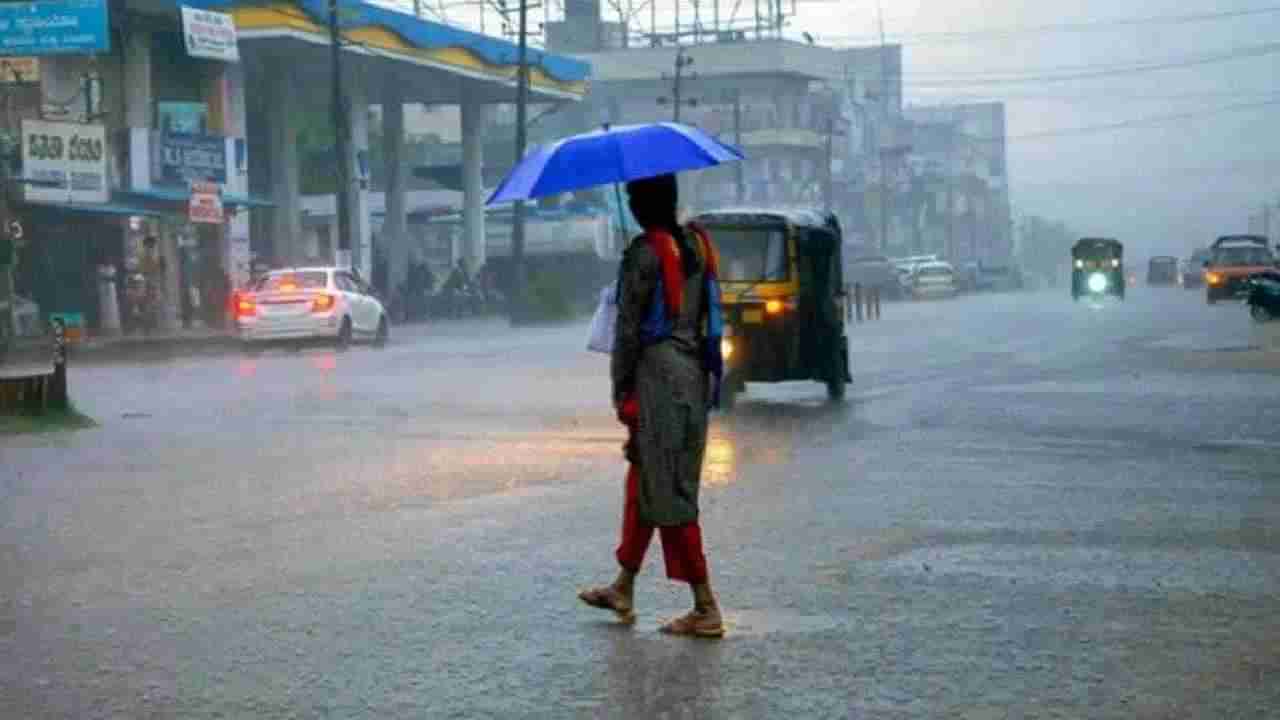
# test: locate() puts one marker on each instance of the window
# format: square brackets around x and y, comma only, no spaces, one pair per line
[287,282]
[752,255]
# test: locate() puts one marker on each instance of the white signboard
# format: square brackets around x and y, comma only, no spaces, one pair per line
[206,203]
[210,35]
[68,161]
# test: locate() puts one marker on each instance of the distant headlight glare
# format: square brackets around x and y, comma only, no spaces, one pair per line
[1097,283]
[1079,264]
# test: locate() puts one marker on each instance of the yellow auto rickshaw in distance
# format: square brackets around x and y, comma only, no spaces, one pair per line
[782,285]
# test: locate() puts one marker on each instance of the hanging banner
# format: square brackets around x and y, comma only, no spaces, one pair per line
[68,160]
[210,35]
[54,27]
[206,203]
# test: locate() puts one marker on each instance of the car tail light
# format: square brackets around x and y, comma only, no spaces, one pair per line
[246,307]
[322,303]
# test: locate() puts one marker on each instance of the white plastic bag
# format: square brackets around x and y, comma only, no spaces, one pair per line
[604,324]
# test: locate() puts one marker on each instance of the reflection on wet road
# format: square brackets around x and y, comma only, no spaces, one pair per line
[1026,507]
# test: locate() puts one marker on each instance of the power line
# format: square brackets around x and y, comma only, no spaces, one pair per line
[1065,27]
[1251,51]
[1140,122]
[1088,67]
[1084,98]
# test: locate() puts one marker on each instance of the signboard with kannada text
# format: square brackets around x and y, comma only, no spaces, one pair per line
[54,27]
[68,160]
[210,35]
[189,157]
[206,203]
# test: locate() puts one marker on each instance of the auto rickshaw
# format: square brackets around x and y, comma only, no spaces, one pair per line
[1097,268]
[781,277]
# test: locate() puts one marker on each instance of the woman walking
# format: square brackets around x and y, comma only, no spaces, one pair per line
[662,390]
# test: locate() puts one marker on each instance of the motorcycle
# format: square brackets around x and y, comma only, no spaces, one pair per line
[1262,294]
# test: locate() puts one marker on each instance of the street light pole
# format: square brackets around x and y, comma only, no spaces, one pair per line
[522,139]
[342,139]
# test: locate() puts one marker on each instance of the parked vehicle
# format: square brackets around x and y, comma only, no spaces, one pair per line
[1233,259]
[1262,294]
[1097,268]
[325,303]
[1162,270]
[783,294]
[933,280]
[875,272]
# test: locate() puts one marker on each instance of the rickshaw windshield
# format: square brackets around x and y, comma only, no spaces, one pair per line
[752,254]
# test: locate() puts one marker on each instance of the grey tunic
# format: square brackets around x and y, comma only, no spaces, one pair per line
[671,388]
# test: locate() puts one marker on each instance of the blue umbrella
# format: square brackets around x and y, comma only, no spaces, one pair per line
[612,155]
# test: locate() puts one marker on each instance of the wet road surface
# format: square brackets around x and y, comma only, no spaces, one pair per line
[1026,508]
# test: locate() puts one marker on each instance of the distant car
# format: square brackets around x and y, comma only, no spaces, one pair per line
[1193,269]
[1162,270]
[932,280]
[317,303]
[874,271]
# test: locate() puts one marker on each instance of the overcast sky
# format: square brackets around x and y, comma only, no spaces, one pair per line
[1159,187]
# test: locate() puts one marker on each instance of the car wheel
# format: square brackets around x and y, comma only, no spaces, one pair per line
[384,333]
[1260,314]
[344,334]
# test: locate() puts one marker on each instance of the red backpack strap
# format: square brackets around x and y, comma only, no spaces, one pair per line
[709,253]
[664,246]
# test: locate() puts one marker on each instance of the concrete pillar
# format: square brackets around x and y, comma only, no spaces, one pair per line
[282,159]
[138,111]
[361,223]
[395,240]
[473,234]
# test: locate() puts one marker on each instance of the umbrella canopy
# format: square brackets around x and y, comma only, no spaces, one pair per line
[612,155]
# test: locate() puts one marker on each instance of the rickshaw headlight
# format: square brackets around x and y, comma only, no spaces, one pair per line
[773,307]
[726,348]
[1079,264]
[1115,262]
[1097,282]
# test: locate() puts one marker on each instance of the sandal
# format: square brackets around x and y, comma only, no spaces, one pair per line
[696,623]
[606,598]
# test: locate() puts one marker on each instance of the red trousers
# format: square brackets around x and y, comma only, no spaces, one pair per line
[681,544]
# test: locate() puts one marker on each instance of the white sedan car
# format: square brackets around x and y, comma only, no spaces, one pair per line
[933,279]
[326,303]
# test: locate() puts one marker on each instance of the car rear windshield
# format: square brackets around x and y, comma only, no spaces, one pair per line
[751,254]
[934,271]
[286,282]
[1242,256]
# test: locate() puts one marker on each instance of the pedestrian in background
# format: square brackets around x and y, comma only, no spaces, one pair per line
[662,394]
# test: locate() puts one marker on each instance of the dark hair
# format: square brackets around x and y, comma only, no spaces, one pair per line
[653,201]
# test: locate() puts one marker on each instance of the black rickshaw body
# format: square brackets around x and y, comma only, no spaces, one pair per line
[1097,268]
[782,283]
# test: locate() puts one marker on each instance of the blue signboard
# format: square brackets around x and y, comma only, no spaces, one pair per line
[54,27]
[187,157]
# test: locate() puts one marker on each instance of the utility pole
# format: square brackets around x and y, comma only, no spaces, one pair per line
[826,179]
[522,139]
[342,139]
[884,113]
[739,179]
[682,61]
[950,178]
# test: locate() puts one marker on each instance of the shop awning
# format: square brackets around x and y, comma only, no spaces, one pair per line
[182,195]
[103,209]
